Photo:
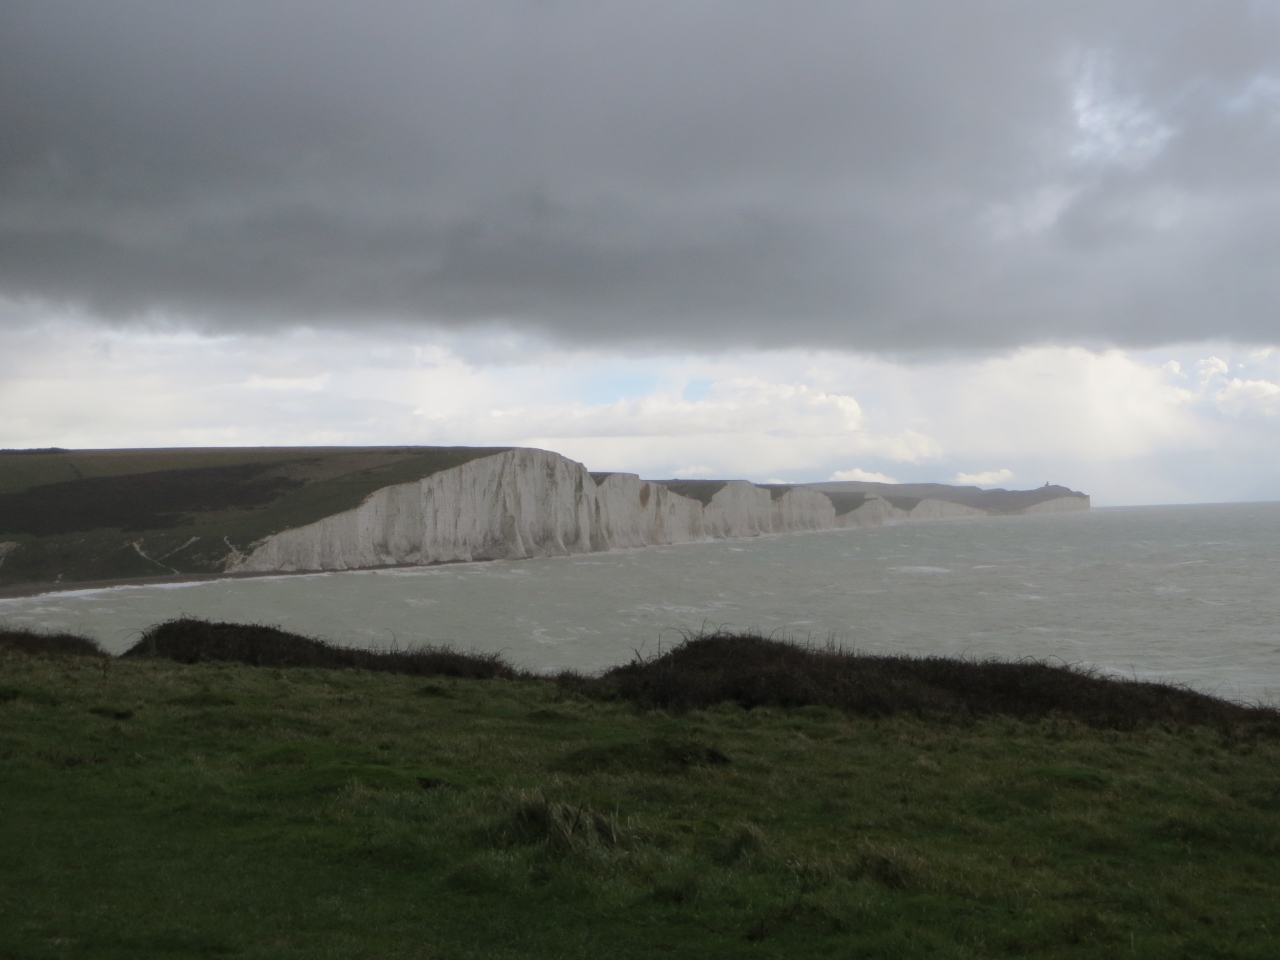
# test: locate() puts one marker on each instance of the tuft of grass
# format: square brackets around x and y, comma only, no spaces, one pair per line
[560,827]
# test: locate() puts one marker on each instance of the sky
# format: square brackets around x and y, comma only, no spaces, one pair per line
[999,242]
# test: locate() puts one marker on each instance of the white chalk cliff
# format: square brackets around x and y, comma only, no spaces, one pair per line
[533,503]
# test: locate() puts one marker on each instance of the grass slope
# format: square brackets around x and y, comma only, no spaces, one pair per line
[156,808]
[83,515]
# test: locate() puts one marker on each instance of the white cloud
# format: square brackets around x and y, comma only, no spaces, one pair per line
[287,384]
[1070,403]
[866,476]
[1238,397]
[988,478]
[1125,427]
[1212,366]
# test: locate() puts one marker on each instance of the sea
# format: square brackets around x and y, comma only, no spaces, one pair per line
[1181,594]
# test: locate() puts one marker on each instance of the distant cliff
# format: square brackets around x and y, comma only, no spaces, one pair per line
[78,516]
[533,503]
[1047,499]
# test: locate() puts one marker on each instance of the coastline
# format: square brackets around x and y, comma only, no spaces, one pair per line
[23,591]
[26,591]
[876,588]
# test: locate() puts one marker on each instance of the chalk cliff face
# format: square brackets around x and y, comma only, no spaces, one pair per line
[1057,505]
[533,503]
[513,505]
[930,509]
[631,512]
[801,509]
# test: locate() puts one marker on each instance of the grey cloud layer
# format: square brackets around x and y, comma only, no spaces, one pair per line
[882,175]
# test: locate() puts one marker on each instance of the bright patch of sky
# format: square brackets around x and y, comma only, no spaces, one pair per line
[987,478]
[1112,128]
[865,476]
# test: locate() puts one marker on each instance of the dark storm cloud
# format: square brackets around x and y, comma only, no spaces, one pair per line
[885,175]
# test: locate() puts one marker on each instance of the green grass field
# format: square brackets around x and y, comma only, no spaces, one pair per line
[155,809]
[73,516]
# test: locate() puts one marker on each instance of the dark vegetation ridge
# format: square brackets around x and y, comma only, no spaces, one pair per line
[755,671]
[188,640]
[39,643]
[742,668]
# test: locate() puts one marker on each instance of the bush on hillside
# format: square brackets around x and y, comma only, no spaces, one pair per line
[755,671]
[41,643]
[189,640]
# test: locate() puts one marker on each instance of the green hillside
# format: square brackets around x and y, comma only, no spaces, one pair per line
[84,515]
[329,804]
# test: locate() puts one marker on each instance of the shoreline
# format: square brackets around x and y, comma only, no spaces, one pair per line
[26,591]
[20,591]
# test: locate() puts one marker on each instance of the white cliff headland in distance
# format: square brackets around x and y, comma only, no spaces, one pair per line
[524,503]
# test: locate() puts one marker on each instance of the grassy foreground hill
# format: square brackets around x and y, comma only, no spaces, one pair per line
[180,802]
[82,515]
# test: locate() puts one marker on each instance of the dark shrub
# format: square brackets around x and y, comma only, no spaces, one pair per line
[754,671]
[189,640]
[56,644]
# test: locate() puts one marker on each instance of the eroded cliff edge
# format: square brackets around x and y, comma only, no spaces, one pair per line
[524,503]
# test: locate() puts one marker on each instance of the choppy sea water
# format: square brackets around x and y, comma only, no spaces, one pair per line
[1189,594]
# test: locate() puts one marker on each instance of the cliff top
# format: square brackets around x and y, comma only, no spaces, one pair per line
[80,513]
